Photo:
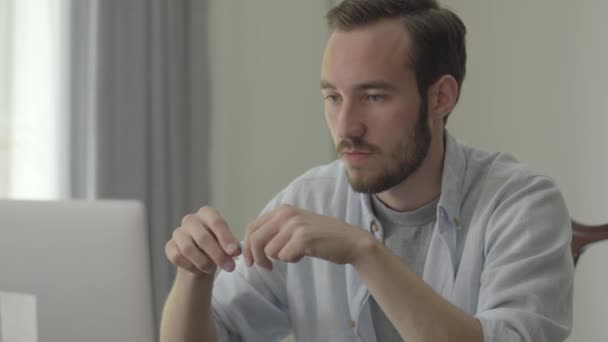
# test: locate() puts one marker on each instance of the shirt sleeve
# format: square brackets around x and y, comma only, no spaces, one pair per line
[526,286]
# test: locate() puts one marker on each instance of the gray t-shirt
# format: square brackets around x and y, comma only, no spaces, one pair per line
[407,234]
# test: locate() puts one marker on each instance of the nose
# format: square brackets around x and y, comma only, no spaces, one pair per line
[349,121]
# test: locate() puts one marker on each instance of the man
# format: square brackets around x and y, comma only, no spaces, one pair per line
[409,235]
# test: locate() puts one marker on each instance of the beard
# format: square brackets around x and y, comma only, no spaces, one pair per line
[403,160]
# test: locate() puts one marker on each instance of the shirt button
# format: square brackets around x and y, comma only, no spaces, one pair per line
[374,228]
[351,323]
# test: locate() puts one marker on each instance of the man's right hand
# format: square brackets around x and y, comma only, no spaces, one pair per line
[203,242]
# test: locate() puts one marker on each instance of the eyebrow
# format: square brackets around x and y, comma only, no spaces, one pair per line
[363,86]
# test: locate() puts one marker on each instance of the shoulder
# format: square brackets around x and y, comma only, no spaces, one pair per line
[512,197]
[500,191]
[495,176]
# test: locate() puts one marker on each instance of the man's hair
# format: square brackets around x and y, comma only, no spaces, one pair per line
[438,35]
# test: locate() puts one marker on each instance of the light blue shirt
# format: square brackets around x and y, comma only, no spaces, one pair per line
[500,251]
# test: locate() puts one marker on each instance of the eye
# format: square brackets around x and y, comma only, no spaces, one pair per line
[376,97]
[331,98]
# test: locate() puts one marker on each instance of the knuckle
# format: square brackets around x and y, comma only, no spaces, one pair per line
[176,232]
[249,227]
[189,250]
[205,240]
[180,260]
[291,213]
[187,218]
[171,252]
[203,209]
[255,240]
[207,265]
[295,222]
[206,211]
[300,234]
[216,221]
[270,252]
[169,246]
[287,209]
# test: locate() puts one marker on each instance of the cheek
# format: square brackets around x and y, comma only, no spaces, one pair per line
[390,129]
[330,119]
[399,117]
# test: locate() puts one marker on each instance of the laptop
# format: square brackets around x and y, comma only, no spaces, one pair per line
[87,263]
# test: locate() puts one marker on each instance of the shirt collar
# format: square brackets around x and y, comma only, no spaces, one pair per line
[454,165]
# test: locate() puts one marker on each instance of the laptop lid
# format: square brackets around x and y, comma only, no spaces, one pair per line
[88,264]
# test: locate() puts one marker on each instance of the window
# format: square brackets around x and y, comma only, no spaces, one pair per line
[32,123]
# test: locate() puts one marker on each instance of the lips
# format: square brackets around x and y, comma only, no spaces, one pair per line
[348,151]
[354,157]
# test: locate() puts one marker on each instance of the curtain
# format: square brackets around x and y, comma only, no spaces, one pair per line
[140,112]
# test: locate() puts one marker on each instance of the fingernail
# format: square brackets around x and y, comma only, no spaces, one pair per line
[232,248]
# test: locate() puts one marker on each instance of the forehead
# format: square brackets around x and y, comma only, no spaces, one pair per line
[379,50]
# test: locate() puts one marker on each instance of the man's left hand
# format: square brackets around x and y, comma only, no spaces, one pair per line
[288,234]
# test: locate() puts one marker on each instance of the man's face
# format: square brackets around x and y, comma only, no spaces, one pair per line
[373,109]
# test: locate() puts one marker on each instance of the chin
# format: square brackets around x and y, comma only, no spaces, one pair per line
[365,183]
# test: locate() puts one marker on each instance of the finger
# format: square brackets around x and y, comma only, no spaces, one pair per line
[250,229]
[208,243]
[212,219]
[247,247]
[261,237]
[189,250]
[278,241]
[292,251]
[179,260]
[281,211]
[258,222]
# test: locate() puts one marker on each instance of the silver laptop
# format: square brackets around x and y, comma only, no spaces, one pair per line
[88,264]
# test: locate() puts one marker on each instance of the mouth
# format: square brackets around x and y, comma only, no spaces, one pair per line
[355,157]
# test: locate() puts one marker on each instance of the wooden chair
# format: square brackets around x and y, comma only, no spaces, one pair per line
[583,235]
[591,281]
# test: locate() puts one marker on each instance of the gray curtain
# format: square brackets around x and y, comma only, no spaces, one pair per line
[140,112]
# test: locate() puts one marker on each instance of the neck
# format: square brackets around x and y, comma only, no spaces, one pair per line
[422,186]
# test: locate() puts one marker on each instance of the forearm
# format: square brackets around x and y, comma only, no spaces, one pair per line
[187,313]
[416,311]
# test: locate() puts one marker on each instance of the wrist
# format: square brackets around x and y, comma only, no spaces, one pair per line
[367,248]
[187,280]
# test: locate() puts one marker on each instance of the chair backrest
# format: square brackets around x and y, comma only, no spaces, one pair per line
[584,235]
[590,252]
[88,264]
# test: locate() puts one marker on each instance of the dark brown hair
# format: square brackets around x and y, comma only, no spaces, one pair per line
[438,34]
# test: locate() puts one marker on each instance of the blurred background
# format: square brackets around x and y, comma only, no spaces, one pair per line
[187,103]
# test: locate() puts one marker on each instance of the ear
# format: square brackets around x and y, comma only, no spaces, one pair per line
[442,97]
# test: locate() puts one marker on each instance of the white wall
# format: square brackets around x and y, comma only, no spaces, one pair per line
[536,87]
[268,125]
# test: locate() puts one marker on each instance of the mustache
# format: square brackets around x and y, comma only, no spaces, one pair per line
[355,143]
